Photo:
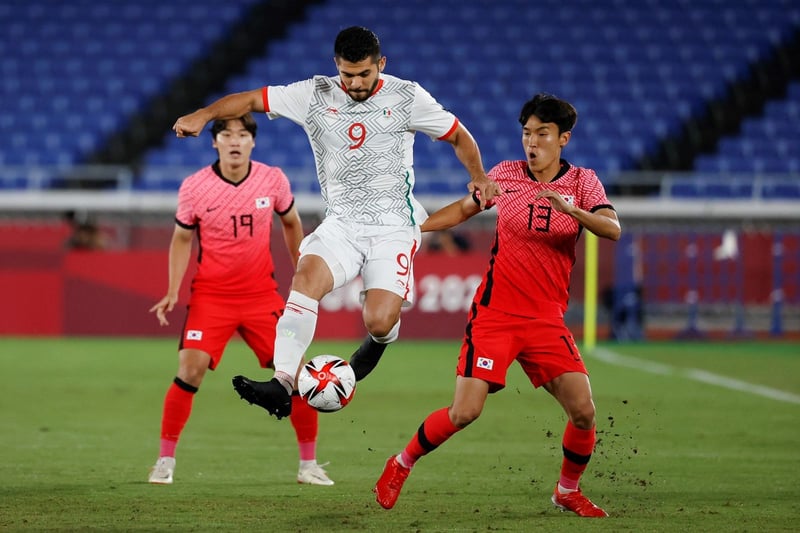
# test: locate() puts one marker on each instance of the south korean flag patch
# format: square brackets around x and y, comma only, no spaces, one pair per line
[262,203]
[485,363]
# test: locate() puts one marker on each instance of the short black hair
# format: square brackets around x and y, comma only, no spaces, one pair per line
[247,121]
[549,108]
[357,43]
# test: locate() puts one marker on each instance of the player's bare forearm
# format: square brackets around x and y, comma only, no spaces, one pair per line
[451,215]
[469,155]
[180,252]
[292,234]
[231,106]
[603,223]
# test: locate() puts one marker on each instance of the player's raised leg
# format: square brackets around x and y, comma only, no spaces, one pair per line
[294,333]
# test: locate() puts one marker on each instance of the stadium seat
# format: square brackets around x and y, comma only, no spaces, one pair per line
[636,72]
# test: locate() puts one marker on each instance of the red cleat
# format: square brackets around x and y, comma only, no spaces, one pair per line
[389,485]
[577,503]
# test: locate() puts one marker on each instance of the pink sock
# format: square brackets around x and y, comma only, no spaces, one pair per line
[435,430]
[168,448]
[577,445]
[304,419]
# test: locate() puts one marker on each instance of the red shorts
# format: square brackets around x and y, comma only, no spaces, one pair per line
[211,321]
[544,348]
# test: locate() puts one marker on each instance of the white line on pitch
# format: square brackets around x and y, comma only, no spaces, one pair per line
[693,373]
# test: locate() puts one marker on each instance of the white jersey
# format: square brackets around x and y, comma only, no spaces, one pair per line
[364,150]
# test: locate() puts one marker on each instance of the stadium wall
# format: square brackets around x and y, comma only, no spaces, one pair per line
[683,268]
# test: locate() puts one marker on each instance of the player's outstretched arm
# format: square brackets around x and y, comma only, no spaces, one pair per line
[231,106]
[470,156]
[452,214]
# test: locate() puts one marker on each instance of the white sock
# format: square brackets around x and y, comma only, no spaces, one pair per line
[392,336]
[294,333]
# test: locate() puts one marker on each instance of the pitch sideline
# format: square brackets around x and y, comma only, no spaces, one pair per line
[695,374]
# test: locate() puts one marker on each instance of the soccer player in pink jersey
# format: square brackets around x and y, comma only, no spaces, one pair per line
[230,206]
[517,313]
[361,126]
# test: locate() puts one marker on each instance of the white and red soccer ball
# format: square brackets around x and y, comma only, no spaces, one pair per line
[327,383]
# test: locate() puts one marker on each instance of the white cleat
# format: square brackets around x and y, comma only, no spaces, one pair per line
[161,473]
[313,474]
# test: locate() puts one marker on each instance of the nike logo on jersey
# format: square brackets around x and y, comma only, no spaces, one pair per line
[209,209]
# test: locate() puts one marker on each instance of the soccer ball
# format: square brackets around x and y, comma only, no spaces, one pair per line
[327,383]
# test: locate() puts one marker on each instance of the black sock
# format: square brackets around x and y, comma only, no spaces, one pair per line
[366,357]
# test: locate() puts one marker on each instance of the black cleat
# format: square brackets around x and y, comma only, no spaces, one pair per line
[269,395]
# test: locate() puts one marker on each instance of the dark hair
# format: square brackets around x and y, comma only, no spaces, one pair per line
[247,121]
[548,108]
[357,43]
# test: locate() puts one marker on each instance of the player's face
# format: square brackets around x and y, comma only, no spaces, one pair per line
[234,143]
[360,79]
[542,145]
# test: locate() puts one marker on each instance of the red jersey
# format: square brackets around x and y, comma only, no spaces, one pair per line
[234,223]
[534,247]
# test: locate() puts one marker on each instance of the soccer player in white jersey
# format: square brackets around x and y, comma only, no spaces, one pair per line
[230,205]
[361,126]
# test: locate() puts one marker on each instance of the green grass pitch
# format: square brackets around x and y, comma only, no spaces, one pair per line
[692,437]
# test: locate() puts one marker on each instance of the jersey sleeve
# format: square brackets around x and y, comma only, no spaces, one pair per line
[429,117]
[284,199]
[185,214]
[288,101]
[593,194]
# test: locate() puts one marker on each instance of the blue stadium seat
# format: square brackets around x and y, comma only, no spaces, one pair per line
[635,71]
[100,61]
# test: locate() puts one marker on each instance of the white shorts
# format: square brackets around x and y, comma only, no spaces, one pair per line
[382,255]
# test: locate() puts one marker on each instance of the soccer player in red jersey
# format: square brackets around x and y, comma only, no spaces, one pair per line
[230,205]
[361,125]
[517,313]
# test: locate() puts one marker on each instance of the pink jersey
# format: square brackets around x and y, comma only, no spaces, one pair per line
[534,248]
[233,222]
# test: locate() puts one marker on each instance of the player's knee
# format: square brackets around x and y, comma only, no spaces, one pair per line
[382,325]
[191,376]
[463,415]
[582,416]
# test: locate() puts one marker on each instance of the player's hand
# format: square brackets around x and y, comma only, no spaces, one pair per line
[487,189]
[164,306]
[556,201]
[190,125]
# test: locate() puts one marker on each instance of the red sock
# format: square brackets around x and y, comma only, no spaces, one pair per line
[177,408]
[436,429]
[305,420]
[578,445]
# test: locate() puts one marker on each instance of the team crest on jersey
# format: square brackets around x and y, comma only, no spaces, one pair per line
[261,203]
[570,199]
